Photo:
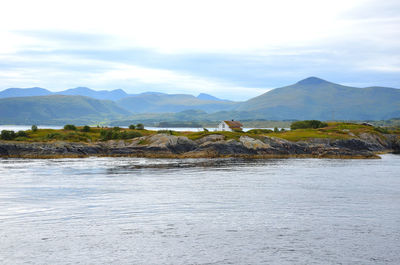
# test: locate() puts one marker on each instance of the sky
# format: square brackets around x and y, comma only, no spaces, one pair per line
[230,49]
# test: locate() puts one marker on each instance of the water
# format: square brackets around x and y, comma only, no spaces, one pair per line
[178,129]
[199,211]
[16,128]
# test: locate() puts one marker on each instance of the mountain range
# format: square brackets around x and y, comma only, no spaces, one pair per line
[311,98]
[115,94]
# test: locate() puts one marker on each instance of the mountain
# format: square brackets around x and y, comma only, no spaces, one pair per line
[78,91]
[24,92]
[315,98]
[97,94]
[205,96]
[311,98]
[57,109]
[158,102]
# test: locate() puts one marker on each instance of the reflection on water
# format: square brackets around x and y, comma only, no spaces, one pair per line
[199,211]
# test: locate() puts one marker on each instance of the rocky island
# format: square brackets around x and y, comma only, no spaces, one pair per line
[337,140]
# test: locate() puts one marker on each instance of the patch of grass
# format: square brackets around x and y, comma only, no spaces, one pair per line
[259,131]
[144,142]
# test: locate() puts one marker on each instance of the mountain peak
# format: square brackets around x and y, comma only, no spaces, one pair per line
[205,96]
[81,89]
[312,81]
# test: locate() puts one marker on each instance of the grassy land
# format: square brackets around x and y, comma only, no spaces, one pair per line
[334,130]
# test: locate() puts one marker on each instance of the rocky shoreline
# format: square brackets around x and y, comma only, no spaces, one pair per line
[170,146]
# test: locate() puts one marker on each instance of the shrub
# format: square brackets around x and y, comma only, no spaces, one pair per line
[7,135]
[21,139]
[132,127]
[85,129]
[34,128]
[70,127]
[259,131]
[21,134]
[75,137]
[308,124]
[129,135]
[54,136]
[276,129]
[116,128]
[205,130]
[382,130]
[106,135]
[139,126]
[165,131]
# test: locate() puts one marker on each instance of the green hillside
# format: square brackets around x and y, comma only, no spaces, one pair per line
[54,108]
[157,103]
[314,98]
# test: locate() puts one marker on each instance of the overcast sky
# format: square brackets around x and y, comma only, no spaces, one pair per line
[231,49]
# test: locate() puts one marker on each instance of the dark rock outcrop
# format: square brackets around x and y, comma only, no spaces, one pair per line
[164,145]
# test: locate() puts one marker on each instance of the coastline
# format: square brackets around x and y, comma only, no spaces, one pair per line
[211,146]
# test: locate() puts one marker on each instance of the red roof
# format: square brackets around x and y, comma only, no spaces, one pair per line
[234,124]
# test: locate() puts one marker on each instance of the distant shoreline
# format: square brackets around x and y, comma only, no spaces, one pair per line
[333,140]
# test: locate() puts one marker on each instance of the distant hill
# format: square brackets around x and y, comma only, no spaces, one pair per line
[24,92]
[315,98]
[157,103]
[97,94]
[78,91]
[205,96]
[114,95]
[311,98]
[57,108]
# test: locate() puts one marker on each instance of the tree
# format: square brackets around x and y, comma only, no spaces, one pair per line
[70,127]
[21,134]
[140,126]
[7,135]
[86,128]
[308,124]
[34,128]
[132,127]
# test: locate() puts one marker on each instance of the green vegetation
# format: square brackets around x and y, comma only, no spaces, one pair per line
[170,132]
[313,124]
[333,130]
[132,127]
[58,109]
[70,127]
[7,135]
[34,128]
[116,133]
[314,98]
[11,135]
[260,131]
[139,126]
[85,129]
[158,102]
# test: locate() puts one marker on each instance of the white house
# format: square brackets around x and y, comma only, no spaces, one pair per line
[230,126]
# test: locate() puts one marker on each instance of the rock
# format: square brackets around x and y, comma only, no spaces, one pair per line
[165,145]
[252,143]
[210,138]
[175,144]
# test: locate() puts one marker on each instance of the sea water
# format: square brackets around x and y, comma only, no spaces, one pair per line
[200,211]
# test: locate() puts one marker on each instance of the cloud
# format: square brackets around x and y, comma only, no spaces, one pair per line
[232,49]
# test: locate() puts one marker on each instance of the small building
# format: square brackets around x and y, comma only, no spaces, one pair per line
[230,126]
[367,124]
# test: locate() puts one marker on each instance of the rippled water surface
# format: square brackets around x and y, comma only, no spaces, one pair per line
[165,211]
